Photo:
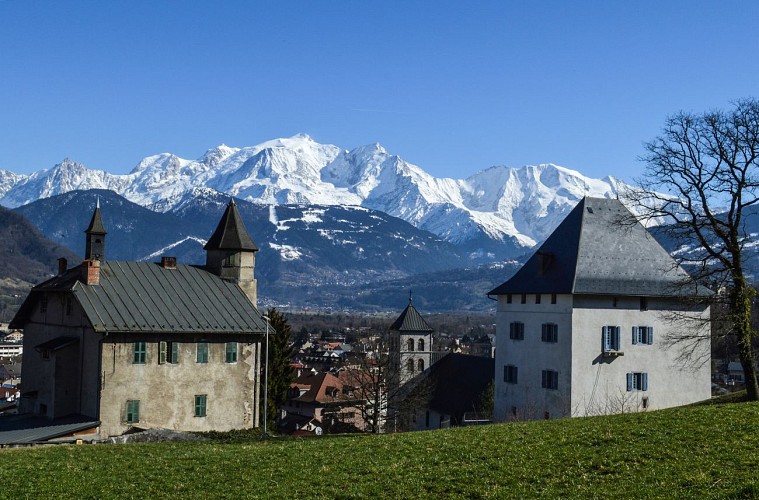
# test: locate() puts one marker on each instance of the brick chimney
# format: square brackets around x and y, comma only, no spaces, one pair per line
[91,272]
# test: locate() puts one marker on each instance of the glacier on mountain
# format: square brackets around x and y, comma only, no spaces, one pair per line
[521,205]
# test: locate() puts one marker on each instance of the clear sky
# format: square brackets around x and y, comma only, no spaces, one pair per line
[453,87]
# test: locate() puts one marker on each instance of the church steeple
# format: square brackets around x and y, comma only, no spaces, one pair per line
[231,252]
[95,243]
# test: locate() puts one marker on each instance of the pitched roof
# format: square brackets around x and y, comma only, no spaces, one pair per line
[410,321]
[456,383]
[231,234]
[96,223]
[145,297]
[593,251]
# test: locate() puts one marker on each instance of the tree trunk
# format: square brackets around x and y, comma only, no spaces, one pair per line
[740,305]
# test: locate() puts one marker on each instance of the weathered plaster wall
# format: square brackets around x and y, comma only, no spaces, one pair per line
[167,391]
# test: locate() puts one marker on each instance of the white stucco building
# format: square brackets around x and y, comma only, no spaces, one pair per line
[585,326]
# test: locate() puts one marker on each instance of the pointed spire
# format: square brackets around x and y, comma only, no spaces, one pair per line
[411,321]
[96,224]
[95,242]
[231,233]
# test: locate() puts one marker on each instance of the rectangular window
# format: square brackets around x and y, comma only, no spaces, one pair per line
[132,411]
[516,330]
[643,335]
[637,381]
[524,298]
[139,354]
[231,352]
[553,298]
[508,298]
[510,374]
[168,352]
[610,338]
[550,379]
[201,352]
[549,332]
[537,298]
[200,405]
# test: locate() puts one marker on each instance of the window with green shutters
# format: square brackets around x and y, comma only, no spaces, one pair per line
[231,352]
[132,411]
[139,353]
[168,352]
[200,405]
[201,352]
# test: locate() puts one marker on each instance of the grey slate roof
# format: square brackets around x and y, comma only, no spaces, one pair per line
[592,252]
[231,234]
[145,297]
[96,224]
[410,321]
[25,429]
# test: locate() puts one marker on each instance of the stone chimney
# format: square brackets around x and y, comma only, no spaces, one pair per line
[169,262]
[62,265]
[91,272]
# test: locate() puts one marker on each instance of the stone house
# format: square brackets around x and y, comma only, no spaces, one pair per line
[147,344]
[584,327]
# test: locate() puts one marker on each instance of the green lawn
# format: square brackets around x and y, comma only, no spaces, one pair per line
[697,452]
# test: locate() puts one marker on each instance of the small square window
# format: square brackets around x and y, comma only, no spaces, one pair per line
[200,405]
[549,332]
[508,298]
[524,298]
[553,298]
[537,298]
[231,352]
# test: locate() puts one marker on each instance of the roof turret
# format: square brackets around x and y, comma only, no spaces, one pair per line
[231,234]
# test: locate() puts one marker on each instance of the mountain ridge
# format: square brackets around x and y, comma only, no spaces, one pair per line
[500,206]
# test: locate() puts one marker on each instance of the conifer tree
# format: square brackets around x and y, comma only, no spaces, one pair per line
[281,374]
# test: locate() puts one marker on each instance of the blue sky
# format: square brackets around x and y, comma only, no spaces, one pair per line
[453,87]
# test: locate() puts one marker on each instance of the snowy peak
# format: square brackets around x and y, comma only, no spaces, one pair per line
[500,205]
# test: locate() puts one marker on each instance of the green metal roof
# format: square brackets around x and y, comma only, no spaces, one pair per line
[145,297]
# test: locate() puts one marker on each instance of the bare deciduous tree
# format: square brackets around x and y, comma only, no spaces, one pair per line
[705,169]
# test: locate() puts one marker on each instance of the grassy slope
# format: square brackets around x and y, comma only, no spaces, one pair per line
[700,452]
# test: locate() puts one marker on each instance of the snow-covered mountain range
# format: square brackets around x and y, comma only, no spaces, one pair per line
[516,206]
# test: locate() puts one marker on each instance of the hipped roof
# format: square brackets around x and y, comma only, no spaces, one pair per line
[598,249]
[410,321]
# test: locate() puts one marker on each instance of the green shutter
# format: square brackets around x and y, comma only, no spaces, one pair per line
[161,352]
[175,352]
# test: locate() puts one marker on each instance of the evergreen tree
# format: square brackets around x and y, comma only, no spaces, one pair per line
[281,374]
